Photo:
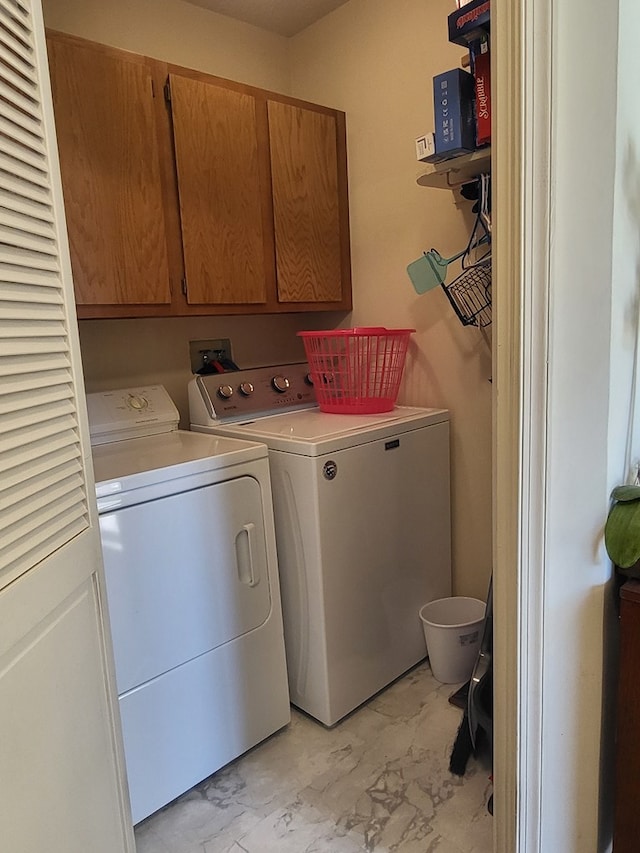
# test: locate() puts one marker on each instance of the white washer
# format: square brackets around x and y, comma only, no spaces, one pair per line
[186,524]
[362,526]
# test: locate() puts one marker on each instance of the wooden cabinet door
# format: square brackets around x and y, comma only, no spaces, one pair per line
[310,226]
[107,142]
[223,189]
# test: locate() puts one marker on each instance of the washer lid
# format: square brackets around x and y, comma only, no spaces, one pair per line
[130,413]
[311,432]
[138,462]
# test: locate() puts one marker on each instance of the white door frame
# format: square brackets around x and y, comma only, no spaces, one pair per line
[555,96]
[521,46]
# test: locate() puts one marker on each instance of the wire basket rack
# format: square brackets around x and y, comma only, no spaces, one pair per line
[356,371]
[470,294]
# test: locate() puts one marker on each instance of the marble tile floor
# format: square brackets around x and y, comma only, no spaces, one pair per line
[376,782]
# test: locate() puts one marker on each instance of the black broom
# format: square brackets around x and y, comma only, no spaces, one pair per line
[462,748]
[481,681]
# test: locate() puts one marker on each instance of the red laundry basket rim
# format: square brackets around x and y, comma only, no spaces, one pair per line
[364,331]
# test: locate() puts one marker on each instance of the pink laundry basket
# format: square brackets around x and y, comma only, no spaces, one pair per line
[357,371]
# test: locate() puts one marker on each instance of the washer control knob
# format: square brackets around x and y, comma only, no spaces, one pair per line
[137,402]
[308,379]
[280,383]
[246,389]
[225,392]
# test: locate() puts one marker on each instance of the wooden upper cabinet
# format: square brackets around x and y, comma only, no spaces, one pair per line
[223,190]
[238,192]
[110,173]
[310,227]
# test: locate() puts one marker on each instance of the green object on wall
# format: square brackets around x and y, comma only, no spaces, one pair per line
[430,270]
[423,276]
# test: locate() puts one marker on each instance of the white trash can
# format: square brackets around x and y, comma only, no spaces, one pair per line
[453,630]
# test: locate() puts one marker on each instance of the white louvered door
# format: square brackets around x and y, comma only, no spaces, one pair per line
[62,785]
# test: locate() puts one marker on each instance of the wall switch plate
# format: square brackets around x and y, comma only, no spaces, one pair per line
[201,352]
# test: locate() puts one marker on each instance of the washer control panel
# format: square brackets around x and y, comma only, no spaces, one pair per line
[130,413]
[244,394]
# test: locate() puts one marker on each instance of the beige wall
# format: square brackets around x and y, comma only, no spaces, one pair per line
[129,353]
[375,60]
[178,32]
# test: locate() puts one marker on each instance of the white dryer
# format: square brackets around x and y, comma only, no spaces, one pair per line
[362,526]
[186,524]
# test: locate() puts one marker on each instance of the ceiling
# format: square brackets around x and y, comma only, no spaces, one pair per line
[286,17]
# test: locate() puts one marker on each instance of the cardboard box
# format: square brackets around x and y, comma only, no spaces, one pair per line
[470,23]
[481,63]
[454,107]
[426,147]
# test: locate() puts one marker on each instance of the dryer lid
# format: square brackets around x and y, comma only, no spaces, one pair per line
[130,413]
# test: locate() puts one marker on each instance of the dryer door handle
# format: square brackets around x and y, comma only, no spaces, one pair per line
[245,549]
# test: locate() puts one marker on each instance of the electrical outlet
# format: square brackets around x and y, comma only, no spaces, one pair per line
[201,352]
